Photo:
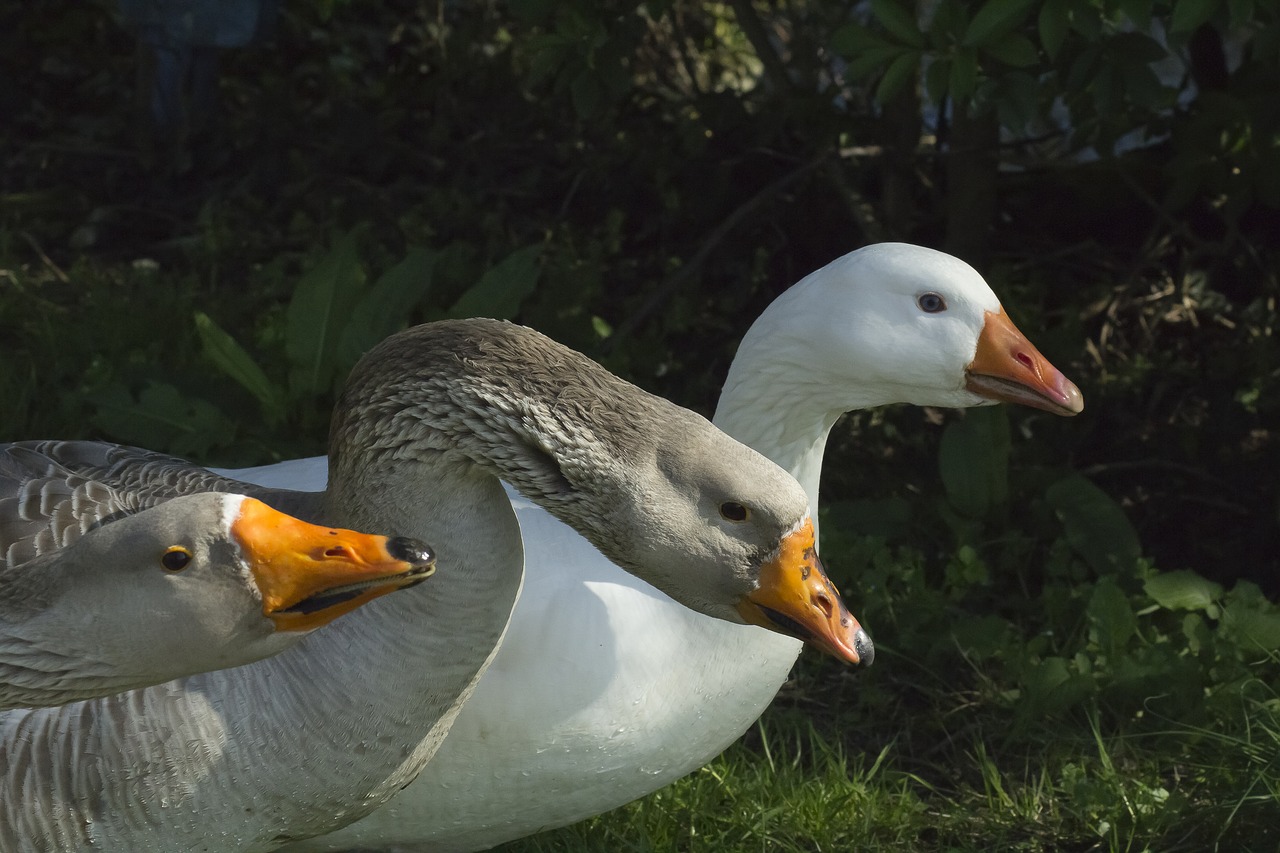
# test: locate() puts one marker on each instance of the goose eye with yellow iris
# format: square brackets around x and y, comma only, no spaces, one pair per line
[176,559]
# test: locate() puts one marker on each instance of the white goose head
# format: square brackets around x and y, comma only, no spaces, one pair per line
[897,323]
[197,583]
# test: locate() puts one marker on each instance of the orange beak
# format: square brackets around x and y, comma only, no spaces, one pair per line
[796,598]
[1008,368]
[310,575]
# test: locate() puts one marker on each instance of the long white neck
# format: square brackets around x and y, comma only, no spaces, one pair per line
[296,744]
[778,402]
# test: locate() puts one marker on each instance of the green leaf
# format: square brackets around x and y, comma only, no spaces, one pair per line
[974,461]
[899,73]
[162,418]
[1052,687]
[935,80]
[500,291]
[948,23]
[996,19]
[1014,49]
[1259,628]
[1137,11]
[1112,616]
[1053,26]
[1182,590]
[1189,14]
[385,309]
[320,309]
[229,357]
[852,39]
[1095,526]
[872,60]
[1240,12]
[964,77]
[898,21]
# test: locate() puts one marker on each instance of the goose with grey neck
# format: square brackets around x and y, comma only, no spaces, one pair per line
[198,583]
[889,323]
[322,733]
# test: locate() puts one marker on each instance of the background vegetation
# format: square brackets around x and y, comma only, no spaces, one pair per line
[1075,618]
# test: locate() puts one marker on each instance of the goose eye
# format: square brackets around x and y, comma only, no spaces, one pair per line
[175,559]
[931,303]
[733,511]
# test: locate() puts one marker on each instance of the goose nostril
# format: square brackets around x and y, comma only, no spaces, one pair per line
[338,551]
[823,603]
[1024,359]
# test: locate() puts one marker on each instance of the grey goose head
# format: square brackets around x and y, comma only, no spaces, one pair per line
[196,583]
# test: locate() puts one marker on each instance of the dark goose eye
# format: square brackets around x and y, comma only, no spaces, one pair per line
[931,303]
[733,511]
[175,559]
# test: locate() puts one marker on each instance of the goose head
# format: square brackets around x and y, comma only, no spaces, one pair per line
[655,487]
[743,548]
[208,581]
[897,323]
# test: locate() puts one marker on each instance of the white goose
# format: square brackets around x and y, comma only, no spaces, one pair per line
[322,733]
[604,689]
[200,582]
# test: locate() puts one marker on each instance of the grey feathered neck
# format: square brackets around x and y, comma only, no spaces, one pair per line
[503,396]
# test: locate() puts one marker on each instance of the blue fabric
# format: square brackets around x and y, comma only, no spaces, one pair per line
[199,23]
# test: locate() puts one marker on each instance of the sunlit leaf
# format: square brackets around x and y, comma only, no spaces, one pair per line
[385,309]
[231,359]
[1182,590]
[322,305]
[500,291]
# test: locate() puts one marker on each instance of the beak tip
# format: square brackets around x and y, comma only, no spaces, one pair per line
[1074,399]
[410,551]
[866,650]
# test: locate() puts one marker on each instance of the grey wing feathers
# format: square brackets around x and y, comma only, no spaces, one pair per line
[52,492]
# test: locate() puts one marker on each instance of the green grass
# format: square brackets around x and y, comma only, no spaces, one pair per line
[786,787]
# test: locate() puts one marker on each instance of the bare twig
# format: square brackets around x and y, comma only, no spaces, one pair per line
[48,262]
